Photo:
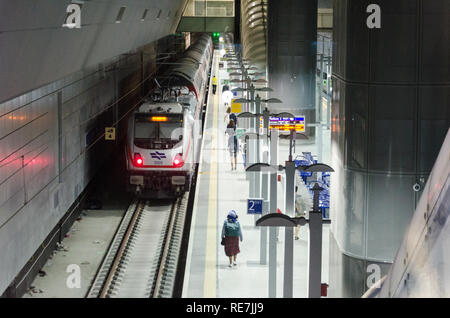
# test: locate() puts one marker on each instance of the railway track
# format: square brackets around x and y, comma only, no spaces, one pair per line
[143,256]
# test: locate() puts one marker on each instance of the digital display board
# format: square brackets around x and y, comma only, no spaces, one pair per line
[287,124]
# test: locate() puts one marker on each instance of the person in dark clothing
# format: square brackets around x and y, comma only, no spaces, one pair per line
[231,233]
[214,84]
[231,116]
[232,143]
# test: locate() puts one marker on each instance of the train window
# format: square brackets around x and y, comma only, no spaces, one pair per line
[170,131]
[150,134]
[146,130]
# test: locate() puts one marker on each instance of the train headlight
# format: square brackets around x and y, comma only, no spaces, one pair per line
[138,161]
[178,161]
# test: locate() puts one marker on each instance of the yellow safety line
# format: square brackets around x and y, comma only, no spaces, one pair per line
[209,287]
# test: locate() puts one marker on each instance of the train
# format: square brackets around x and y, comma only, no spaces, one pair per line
[164,133]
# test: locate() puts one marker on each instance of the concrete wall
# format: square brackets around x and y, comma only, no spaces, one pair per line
[66,84]
[37,50]
[49,154]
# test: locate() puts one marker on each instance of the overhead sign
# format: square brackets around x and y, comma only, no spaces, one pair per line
[287,124]
[110,133]
[254,206]
[235,107]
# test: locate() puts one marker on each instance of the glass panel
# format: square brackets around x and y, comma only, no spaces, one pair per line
[390,207]
[392,130]
[209,8]
[355,212]
[146,130]
[157,135]
[169,130]
[434,123]
[358,126]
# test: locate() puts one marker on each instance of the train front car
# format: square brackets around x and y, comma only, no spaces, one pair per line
[159,150]
[164,136]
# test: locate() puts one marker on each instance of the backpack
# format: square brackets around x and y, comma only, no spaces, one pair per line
[232,229]
[233,117]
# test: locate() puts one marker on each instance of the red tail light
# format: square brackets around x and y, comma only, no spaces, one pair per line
[178,161]
[138,161]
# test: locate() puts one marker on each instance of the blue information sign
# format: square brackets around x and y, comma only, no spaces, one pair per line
[254,206]
[287,124]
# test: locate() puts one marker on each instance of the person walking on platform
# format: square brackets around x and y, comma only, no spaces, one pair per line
[225,88]
[231,233]
[231,116]
[232,142]
[227,98]
[214,84]
[300,211]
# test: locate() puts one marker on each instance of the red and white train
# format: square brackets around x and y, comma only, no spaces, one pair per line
[164,134]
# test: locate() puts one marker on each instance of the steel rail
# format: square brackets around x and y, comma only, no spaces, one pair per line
[122,248]
[136,265]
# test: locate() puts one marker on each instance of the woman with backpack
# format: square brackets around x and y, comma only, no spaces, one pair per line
[231,233]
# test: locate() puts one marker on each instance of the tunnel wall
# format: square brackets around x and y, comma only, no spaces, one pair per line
[390,114]
[52,144]
[36,50]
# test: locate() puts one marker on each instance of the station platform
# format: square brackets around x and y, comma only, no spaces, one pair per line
[219,190]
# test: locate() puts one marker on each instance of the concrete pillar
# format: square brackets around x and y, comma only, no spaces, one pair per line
[389,117]
[291,52]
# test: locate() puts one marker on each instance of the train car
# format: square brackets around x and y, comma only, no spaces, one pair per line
[164,133]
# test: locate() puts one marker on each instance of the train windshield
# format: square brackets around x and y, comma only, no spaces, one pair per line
[158,131]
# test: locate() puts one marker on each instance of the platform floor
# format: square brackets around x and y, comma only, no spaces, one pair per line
[219,189]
